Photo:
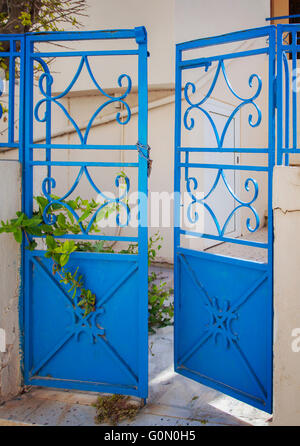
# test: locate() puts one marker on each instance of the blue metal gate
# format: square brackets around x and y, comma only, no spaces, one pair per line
[107,350]
[223,304]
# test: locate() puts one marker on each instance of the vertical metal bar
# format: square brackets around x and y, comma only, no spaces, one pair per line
[11,98]
[271,162]
[28,191]
[177,198]
[28,155]
[294,89]
[287,107]
[22,109]
[143,217]
[279,96]
[21,160]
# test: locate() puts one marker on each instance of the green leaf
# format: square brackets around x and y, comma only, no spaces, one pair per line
[84,216]
[42,202]
[35,221]
[69,246]
[32,245]
[59,232]
[64,258]
[61,220]
[18,221]
[18,235]
[72,204]
[51,243]
[70,216]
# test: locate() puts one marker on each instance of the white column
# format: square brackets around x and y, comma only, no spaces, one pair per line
[286,206]
[10,203]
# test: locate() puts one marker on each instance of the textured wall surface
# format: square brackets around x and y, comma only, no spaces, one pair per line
[10,202]
[286,206]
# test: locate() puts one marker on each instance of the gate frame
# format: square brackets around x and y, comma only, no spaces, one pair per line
[25,157]
[266,31]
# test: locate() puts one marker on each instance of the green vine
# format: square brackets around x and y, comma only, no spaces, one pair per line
[160,306]
[58,251]
[161,309]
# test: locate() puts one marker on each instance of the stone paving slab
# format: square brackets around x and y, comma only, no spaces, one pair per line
[244,251]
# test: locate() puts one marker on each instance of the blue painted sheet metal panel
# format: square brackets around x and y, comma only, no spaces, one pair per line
[99,352]
[108,350]
[223,325]
[224,305]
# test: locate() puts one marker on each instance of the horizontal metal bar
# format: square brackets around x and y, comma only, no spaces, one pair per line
[224,166]
[82,35]
[85,53]
[82,163]
[64,384]
[83,146]
[194,63]
[290,48]
[284,27]
[93,237]
[92,255]
[268,19]
[226,38]
[9,145]
[290,150]
[222,149]
[225,239]
[10,54]
[12,37]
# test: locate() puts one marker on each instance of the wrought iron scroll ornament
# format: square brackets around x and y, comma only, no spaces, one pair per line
[189,122]
[191,181]
[47,79]
[50,182]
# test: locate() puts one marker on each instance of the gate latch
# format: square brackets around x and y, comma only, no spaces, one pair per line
[141,149]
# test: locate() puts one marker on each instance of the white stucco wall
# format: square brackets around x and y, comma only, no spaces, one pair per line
[167,22]
[286,205]
[201,18]
[10,202]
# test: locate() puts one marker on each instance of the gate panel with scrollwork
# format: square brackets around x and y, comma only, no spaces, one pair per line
[66,344]
[223,303]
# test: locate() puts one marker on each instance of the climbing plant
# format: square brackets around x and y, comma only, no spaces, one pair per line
[159,305]
[58,251]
